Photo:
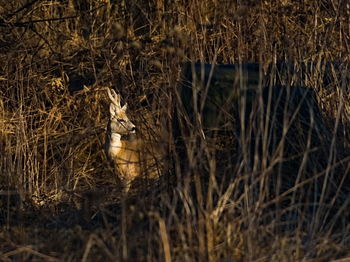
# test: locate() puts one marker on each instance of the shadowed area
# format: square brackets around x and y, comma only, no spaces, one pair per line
[256,137]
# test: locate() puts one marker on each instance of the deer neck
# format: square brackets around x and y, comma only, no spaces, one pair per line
[116,141]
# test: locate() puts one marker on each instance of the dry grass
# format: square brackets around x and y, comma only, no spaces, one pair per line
[59,199]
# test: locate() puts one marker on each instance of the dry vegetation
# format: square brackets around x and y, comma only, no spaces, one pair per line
[59,198]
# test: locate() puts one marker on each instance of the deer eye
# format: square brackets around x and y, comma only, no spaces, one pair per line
[121,120]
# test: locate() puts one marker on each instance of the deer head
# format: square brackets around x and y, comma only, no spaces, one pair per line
[119,121]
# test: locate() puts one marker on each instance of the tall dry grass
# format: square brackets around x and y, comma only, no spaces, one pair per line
[60,200]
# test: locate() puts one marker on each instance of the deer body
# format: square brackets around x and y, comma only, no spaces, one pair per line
[131,157]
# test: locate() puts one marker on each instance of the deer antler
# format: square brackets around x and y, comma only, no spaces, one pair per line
[115,98]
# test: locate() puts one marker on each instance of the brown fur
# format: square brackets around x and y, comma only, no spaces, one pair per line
[131,157]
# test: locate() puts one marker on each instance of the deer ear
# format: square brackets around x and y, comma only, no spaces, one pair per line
[125,106]
[112,109]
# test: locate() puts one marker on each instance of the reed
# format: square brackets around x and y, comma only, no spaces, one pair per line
[261,175]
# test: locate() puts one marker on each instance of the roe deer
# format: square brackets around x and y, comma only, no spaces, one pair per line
[132,157]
